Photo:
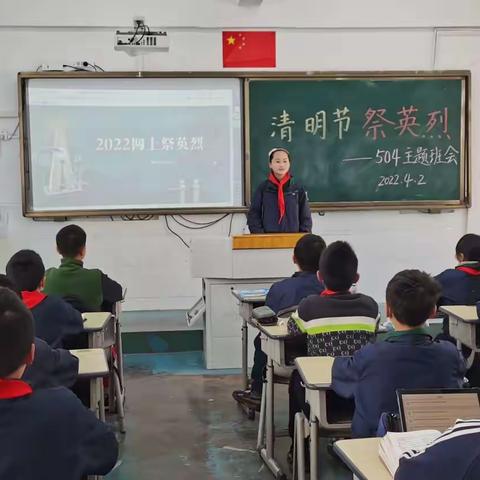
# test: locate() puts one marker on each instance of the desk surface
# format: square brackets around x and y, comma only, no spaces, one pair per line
[93,321]
[92,362]
[316,372]
[256,296]
[274,331]
[362,458]
[466,313]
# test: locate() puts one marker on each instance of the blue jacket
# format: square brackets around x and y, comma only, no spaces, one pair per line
[263,215]
[460,287]
[55,320]
[51,367]
[290,291]
[403,360]
[50,435]
[453,456]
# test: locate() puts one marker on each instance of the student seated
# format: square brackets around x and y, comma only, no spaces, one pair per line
[407,358]
[45,434]
[461,285]
[50,367]
[453,456]
[336,322]
[284,294]
[55,319]
[91,287]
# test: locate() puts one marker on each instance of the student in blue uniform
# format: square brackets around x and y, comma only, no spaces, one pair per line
[45,434]
[461,285]
[51,367]
[455,455]
[279,205]
[55,319]
[336,322]
[284,294]
[407,358]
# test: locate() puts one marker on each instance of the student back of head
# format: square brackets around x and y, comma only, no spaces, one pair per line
[336,322]
[282,295]
[91,289]
[407,358]
[55,319]
[44,434]
[461,285]
[50,367]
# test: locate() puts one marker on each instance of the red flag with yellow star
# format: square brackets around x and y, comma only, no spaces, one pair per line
[248,49]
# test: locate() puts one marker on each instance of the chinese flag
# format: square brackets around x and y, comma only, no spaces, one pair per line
[248,49]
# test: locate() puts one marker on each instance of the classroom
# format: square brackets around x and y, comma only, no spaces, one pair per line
[240,239]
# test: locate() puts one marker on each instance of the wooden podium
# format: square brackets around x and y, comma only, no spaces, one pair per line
[266,240]
[242,262]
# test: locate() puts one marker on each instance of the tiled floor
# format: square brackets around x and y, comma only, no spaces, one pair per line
[182,423]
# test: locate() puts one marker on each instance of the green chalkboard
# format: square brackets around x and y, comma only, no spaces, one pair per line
[364,140]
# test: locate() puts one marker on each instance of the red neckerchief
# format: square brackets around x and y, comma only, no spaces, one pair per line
[280,197]
[14,389]
[328,292]
[469,271]
[32,299]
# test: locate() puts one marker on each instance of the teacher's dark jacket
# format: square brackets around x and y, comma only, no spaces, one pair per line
[264,214]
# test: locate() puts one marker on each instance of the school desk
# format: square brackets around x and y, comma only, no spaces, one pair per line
[464,326]
[241,263]
[362,458]
[273,345]
[246,303]
[104,332]
[316,373]
[92,364]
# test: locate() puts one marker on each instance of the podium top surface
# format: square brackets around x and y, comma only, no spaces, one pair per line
[265,240]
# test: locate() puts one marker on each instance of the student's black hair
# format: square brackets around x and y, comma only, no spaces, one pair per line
[5,282]
[338,266]
[469,246]
[412,295]
[307,252]
[16,332]
[70,240]
[26,270]
[273,150]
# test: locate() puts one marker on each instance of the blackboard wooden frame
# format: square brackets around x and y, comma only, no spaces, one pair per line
[246,76]
[427,205]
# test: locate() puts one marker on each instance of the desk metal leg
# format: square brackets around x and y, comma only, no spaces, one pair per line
[300,445]
[313,448]
[268,453]
[245,354]
[261,422]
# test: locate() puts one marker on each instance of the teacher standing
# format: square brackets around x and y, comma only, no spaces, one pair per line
[279,205]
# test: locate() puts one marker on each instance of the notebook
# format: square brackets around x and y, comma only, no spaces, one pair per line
[394,444]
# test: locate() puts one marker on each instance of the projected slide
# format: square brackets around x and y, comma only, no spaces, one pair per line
[101,144]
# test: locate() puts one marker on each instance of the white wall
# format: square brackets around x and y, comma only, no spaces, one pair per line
[315,35]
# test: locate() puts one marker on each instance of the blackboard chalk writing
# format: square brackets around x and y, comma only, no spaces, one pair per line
[284,123]
[354,159]
[428,157]
[408,120]
[317,124]
[386,156]
[342,119]
[397,180]
[439,117]
[375,123]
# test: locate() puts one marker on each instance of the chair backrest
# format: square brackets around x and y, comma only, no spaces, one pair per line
[436,409]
